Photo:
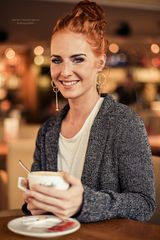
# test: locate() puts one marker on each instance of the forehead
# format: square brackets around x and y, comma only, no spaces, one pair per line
[70,43]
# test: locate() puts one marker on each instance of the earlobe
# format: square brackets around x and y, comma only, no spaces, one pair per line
[101,62]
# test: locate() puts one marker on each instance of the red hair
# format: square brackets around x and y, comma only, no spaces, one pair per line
[87,18]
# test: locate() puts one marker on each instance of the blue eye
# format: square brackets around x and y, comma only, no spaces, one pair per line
[56,60]
[78,59]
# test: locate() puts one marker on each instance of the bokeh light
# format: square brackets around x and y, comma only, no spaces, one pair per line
[155,48]
[39,50]
[10,53]
[39,60]
[113,47]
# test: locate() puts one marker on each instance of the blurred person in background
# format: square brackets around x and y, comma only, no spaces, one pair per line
[127,92]
[149,95]
[100,144]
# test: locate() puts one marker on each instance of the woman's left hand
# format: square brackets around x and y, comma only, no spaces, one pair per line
[62,203]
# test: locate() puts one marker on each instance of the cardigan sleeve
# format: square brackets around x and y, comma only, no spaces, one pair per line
[136,198]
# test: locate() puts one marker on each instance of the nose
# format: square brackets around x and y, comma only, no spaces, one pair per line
[66,70]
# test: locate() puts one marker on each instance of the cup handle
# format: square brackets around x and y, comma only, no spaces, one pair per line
[21,184]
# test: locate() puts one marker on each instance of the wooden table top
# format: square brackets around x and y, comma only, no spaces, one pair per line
[116,229]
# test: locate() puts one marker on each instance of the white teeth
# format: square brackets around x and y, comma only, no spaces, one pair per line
[66,83]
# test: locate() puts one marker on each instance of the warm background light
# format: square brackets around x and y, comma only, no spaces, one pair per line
[155,48]
[10,53]
[113,47]
[39,60]
[39,50]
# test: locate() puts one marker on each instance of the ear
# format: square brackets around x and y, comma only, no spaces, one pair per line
[101,62]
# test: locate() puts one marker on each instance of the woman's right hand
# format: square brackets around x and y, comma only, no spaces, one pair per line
[30,206]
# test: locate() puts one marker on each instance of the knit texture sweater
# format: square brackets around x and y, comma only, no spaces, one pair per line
[117,176]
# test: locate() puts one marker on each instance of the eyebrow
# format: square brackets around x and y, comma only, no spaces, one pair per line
[75,55]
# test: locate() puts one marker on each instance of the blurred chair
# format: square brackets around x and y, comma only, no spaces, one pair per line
[18,149]
[156,165]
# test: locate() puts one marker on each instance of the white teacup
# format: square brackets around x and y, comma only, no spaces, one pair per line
[46,178]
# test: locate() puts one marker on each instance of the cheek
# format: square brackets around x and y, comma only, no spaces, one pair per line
[86,71]
[90,74]
[54,72]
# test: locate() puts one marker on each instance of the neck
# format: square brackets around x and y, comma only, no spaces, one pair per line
[80,108]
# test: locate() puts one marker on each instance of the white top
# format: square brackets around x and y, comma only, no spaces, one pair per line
[71,153]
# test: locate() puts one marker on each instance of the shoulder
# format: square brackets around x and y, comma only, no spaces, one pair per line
[112,107]
[121,115]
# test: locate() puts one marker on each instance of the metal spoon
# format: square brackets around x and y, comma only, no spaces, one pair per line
[24,167]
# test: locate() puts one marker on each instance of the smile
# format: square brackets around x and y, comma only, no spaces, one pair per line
[69,83]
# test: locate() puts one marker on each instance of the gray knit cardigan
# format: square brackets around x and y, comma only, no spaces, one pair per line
[117,175]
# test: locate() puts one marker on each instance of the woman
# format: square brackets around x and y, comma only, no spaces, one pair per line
[101,144]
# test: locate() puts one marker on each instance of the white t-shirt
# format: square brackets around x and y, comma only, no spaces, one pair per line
[72,151]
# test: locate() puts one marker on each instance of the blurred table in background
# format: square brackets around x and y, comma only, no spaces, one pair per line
[21,147]
[26,131]
[154,141]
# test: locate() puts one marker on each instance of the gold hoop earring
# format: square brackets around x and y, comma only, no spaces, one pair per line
[101,78]
[55,90]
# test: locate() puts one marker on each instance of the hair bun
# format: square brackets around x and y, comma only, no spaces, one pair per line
[90,10]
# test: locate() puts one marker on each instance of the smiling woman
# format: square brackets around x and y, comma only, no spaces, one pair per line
[100,144]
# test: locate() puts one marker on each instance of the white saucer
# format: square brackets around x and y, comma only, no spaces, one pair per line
[18,225]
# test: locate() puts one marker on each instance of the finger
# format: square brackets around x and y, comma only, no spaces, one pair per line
[25,198]
[37,212]
[64,214]
[71,179]
[45,207]
[63,218]
[33,209]
[44,198]
[30,206]
[76,186]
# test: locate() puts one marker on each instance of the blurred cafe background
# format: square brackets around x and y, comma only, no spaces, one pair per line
[26,100]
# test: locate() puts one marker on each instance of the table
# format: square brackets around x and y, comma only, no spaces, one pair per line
[115,229]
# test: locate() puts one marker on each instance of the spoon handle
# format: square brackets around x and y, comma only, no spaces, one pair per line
[24,167]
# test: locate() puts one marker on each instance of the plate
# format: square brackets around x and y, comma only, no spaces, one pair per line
[35,226]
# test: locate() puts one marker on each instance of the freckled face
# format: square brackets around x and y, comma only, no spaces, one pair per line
[73,65]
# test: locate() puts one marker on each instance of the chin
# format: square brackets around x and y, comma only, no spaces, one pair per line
[71,95]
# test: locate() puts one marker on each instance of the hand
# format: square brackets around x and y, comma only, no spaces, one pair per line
[30,206]
[62,203]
